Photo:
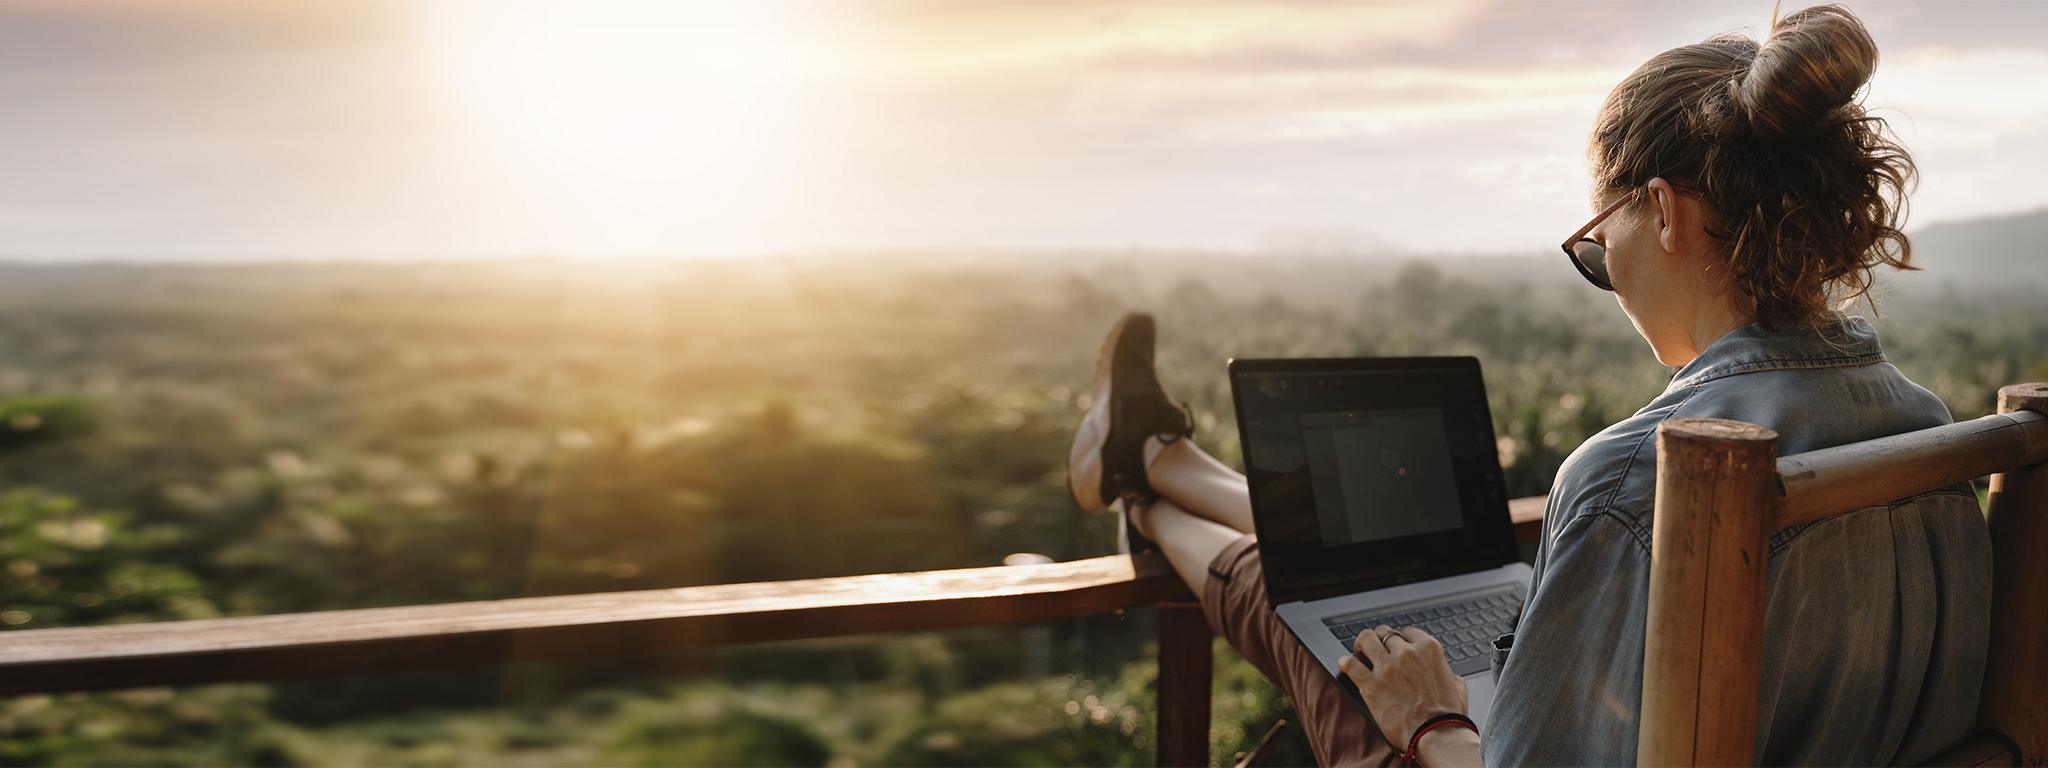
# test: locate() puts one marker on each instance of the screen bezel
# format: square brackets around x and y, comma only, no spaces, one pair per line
[1297,572]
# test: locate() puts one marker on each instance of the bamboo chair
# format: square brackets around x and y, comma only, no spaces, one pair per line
[1722,490]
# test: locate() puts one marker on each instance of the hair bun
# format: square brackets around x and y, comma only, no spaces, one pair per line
[1814,61]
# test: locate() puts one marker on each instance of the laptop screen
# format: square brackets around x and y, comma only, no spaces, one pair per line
[1370,472]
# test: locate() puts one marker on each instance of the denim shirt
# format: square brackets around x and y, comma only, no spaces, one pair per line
[1876,624]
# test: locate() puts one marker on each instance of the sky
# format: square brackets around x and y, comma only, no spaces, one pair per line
[175,130]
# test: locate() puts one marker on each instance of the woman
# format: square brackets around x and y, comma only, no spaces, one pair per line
[1740,193]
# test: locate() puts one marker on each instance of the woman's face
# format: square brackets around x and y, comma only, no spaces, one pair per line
[1631,264]
[1659,261]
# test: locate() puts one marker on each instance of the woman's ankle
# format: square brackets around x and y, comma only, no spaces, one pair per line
[1139,513]
[1155,446]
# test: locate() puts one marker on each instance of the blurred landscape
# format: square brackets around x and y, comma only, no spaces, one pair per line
[189,440]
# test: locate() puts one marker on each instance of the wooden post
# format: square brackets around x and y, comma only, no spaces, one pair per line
[1184,681]
[1716,489]
[2016,670]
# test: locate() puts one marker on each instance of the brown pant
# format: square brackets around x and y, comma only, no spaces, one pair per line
[1235,603]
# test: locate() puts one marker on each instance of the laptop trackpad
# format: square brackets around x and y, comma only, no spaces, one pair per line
[1480,689]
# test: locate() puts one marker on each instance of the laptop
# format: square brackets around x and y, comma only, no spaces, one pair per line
[1377,498]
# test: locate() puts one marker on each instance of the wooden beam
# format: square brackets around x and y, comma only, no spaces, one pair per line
[1185,678]
[2016,669]
[1831,481]
[616,623]
[1527,514]
[1716,489]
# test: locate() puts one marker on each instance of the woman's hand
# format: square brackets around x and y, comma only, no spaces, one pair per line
[1408,682]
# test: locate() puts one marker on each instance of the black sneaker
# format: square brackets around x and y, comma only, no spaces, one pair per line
[1107,461]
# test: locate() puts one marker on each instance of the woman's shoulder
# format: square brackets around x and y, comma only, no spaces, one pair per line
[1811,400]
[1822,407]
[1614,471]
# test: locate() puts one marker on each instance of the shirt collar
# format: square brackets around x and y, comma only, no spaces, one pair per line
[1836,342]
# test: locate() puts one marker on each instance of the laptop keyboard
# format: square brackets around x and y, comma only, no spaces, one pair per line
[1465,623]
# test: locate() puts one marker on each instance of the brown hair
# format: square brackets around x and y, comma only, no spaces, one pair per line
[1808,193]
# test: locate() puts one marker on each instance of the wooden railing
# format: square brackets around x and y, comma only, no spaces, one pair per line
[294,645]
[1721,491]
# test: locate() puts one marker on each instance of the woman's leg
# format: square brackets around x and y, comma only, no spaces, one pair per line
[1221,566]
[1191,542]
[1197,511]
[1196,482]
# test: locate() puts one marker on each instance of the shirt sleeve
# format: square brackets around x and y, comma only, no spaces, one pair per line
[1571,690]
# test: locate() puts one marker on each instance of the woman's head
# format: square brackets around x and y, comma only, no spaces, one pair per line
[1761,188]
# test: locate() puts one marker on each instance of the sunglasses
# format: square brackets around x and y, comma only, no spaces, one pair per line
[1588,254]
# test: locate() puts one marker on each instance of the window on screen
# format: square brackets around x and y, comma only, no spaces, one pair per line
[1380,474]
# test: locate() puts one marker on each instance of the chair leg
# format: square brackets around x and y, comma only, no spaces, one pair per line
[2015,668]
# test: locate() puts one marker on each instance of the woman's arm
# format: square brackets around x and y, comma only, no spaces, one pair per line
[1573,689]
[1406,680]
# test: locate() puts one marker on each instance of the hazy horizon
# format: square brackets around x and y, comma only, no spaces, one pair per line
[218,132]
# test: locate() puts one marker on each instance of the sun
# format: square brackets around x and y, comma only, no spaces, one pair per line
[629,122]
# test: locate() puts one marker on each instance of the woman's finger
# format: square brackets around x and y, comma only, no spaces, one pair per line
[1371,647]
[1355,669]
[1366,638]
[1387,635]
[1417,636]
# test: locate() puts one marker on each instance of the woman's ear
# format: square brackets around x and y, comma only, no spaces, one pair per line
[1668,214]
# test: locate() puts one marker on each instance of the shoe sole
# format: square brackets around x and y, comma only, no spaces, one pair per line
[1085,478]
[1084,460]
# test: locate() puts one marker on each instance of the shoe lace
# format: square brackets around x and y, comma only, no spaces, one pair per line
[1186,417]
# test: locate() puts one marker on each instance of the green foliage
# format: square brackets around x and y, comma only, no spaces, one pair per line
[733,737]
[214,726]
[62,564]
[1062,721]
[33,420]
[1245,705]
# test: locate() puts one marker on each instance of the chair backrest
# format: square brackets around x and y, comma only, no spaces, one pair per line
[1722,490]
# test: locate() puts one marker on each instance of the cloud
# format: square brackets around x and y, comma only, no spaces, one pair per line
[1975,122]
[993,42]
[1946,97]
[201,128]
[141,34]
[1375,101]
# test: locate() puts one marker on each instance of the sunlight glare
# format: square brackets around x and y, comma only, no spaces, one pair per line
[628,122]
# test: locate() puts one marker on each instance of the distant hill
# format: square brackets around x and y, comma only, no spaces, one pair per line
[2009,251]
